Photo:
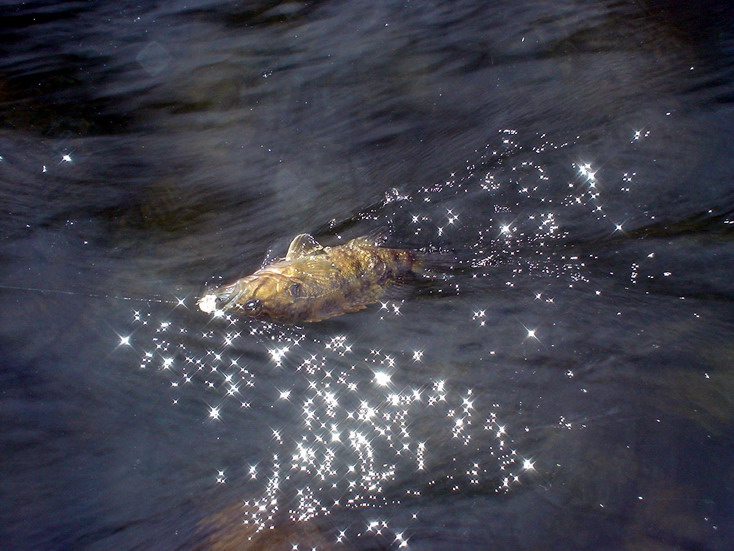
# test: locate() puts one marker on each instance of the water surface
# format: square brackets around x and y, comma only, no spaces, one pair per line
[568,387]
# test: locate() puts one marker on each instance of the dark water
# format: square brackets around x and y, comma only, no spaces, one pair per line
[569,387]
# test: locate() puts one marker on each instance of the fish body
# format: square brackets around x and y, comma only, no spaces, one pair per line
[314,283]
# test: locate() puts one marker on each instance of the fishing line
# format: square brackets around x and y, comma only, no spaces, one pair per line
[62,292]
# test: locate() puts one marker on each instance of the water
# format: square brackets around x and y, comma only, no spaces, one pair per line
[567,387]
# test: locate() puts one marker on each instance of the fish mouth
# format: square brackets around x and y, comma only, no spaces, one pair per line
[219,300]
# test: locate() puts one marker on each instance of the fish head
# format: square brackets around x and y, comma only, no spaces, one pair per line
[256,296]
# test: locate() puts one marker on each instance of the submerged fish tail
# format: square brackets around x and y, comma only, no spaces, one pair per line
[434,265]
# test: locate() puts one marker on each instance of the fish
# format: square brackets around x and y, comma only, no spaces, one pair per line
[313,283]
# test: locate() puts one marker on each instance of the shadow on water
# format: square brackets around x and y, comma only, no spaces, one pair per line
[565,387]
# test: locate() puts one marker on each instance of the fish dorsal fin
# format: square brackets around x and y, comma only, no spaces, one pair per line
[302,245]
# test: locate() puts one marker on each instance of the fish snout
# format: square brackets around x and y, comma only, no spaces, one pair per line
[220,299]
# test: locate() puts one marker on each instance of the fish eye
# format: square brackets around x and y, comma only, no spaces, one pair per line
[253,306]
[295,290]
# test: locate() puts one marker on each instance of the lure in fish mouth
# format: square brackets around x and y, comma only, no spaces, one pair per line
[227,297]
[218,299]
[313,283]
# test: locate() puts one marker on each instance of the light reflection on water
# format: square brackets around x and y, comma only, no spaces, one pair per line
[351,431]
[564,386]
[353,434]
